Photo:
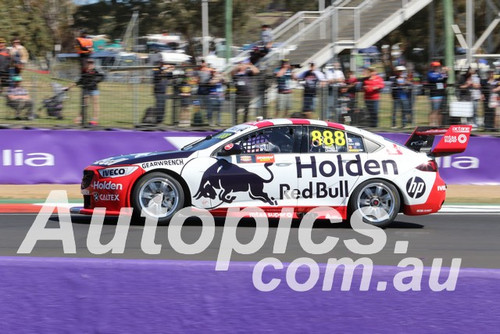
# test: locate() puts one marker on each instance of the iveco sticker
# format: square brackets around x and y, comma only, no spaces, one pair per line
[116,172]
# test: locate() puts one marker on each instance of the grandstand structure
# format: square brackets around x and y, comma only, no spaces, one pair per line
[320,36]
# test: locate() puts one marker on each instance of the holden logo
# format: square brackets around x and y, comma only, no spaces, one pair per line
[415,187]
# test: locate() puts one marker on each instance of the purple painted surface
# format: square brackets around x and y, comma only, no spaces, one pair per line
[61,295]
[59,156]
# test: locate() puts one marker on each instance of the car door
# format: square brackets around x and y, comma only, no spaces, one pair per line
[260,172]
[329,167]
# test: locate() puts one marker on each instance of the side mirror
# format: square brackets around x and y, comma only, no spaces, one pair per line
[230,149]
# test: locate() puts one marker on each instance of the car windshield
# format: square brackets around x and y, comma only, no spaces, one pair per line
[215,138]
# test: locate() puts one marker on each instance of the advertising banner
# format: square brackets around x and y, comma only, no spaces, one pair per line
[59,156]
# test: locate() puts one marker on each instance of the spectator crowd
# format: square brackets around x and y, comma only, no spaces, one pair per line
[200,94]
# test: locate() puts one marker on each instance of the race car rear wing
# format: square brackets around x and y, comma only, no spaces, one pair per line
[454,140]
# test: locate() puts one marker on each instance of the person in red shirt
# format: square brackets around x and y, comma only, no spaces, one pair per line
[372,86]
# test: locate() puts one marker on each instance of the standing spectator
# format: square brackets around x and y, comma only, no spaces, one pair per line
[5,62]
[19,56]
[284,78]
[350,91]
[334,74]
[266,37]
[436,79]
[242,74]
[161,77]
[19,99]
[204,75]
[372,86]
[400,96]
[88,81]
[470,90]
[490,100]
[84,47]
[414,81]
[336,81]
[497,109]
[186,85]
[216,97]
[312,80]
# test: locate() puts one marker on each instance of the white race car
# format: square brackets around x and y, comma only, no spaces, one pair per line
[276,164]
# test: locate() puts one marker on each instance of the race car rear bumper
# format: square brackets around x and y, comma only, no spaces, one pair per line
[434,201]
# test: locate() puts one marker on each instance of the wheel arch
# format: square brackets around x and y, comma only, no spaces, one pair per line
[400,193]
[176,176]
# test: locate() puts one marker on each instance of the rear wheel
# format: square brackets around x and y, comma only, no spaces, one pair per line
[378,202]
[157,195]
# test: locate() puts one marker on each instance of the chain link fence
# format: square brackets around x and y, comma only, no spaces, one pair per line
[126,100]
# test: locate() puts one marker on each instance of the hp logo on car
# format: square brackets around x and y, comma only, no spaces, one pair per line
[415,187]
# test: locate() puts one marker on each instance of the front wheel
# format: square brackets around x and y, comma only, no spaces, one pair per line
[157,195]
[378,202]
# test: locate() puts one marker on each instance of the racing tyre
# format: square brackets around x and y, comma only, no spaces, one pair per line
[157,195]
[379,201]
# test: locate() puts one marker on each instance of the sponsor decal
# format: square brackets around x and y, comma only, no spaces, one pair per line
[229,146]
[328,168]
[160,163]
[264,158]
[415,187]
[246,158]
[315,190]
[419,143]
[462,138]
[451,139]
[394,150]
[116,172]
[106,197]
[223,179]
[107,185]
[441,188]
[19,158]
[460,129]
[109,161]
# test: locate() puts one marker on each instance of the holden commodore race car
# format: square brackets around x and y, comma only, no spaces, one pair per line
[276,164]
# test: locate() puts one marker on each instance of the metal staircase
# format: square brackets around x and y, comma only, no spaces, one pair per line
[356,24]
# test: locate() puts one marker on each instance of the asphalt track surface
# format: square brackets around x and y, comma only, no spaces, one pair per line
[472,237]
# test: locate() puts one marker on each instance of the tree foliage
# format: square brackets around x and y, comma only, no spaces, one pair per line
[43,23]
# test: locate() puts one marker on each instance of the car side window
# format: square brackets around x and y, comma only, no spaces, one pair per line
[328,140]
[268,140]
[354,143]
